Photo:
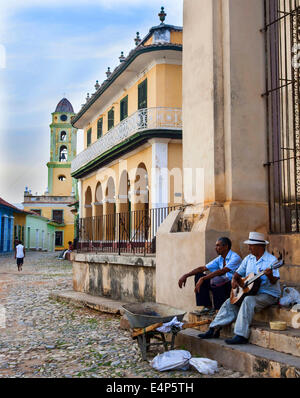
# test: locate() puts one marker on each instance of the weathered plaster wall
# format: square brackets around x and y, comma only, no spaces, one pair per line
[128,278]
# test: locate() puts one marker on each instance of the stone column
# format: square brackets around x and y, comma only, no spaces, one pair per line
[159,173]
[224,118]
[80,196]
[224,134]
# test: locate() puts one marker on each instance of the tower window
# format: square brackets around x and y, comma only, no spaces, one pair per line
[63,118]
[63,136]
[63,154]
[62,178]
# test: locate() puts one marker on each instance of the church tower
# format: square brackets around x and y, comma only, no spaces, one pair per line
[63,143]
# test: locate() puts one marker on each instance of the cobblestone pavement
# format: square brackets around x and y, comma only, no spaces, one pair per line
[47,338]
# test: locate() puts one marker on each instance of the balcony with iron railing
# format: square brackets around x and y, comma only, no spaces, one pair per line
[161,119]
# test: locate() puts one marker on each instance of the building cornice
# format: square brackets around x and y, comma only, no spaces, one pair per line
[139,50]
[124,147]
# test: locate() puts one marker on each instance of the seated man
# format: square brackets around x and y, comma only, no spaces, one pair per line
[268,293]
[66,251]
[218,281]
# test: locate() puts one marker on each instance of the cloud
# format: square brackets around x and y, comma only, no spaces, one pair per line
[55,47]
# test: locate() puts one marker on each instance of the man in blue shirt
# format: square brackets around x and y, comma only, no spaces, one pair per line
[268,293]
[218,281]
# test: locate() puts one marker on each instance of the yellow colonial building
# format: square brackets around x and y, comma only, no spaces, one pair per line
[130,172]
[56,204]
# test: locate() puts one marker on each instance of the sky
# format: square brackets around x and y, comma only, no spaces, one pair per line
[50,49]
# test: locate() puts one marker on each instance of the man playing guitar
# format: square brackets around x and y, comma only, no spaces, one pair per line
[268,293]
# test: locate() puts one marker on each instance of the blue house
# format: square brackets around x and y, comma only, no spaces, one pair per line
[6,226]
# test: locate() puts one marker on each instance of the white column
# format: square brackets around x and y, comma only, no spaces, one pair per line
[159,173]
[80,198]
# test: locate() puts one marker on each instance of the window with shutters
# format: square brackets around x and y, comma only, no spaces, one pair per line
[58,216]
[89,137]
[111,119]
[99,128]
[142,95]
[124,108]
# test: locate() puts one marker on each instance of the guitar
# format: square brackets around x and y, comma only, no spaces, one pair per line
[251,285]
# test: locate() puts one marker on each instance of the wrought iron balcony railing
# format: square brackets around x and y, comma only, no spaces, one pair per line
[141,120]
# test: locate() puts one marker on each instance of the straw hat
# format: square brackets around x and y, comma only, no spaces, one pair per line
[256,238]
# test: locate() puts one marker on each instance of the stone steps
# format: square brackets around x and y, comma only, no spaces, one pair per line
[271,353]
[247,358]
[285,341]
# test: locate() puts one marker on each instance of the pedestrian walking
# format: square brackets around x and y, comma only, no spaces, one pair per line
[19,255]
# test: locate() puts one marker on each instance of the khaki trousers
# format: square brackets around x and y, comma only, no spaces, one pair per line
[243,315]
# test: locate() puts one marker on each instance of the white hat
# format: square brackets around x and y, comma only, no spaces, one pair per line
[256,238]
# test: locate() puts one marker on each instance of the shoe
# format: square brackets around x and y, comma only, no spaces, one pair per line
[217,333]
[237,340]
[208,335]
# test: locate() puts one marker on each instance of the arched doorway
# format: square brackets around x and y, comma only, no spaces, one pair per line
[87,227]
[124,208]
[141,222]
[110,210]
[98,221]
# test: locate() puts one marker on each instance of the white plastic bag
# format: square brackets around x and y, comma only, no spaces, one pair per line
[289,296]
[174,359]
[204,365]
[166,327]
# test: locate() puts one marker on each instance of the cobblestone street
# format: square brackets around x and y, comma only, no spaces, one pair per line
[47,338]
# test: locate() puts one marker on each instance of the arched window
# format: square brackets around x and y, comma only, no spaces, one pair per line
[62,178]
[63,136]
[63,154]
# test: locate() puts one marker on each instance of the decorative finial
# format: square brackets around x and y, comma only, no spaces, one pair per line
[97,85]
[122,58]
[162,15]
[137,40]
[87,97]
[108,73]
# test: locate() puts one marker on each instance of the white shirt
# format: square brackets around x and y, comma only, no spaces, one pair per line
[20,251]
[250,264]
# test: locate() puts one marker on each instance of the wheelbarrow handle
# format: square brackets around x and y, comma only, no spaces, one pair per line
[138,331]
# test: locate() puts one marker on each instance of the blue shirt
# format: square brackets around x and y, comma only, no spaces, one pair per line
[249,264]
[232,261]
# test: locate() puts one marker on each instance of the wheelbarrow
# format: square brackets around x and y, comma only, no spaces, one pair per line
[145,318]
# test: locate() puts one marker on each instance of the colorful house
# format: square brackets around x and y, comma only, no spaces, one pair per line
[56,203]
[40,233]
[130,172]
[7,212]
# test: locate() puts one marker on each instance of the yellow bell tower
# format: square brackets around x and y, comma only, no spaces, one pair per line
[63,142]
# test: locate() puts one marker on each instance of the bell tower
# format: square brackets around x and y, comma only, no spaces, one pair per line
[63,145]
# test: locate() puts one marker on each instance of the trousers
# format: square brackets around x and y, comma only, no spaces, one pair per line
[242,314]
[220,294]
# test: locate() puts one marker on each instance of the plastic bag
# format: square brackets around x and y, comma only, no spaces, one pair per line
[204,365]
[289,297]
[174,359]
[166,327]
